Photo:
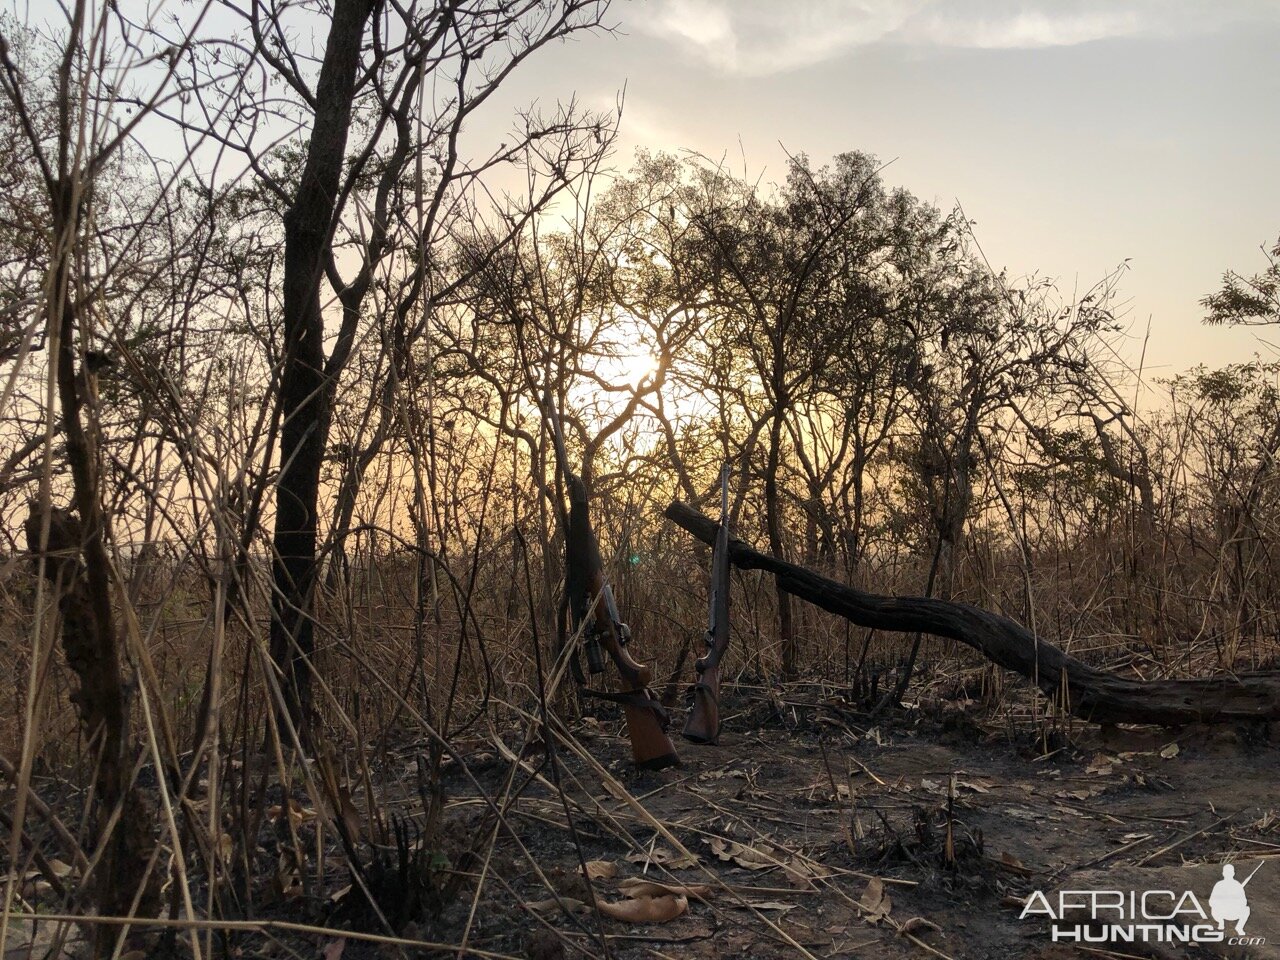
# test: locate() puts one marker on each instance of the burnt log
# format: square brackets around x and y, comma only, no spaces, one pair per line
[1089,692]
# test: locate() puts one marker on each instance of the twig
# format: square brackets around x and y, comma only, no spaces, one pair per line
[1181,840]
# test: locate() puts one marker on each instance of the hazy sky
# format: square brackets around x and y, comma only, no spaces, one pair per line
[1076,134]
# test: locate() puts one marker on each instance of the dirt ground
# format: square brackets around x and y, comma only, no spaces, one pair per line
[819,832]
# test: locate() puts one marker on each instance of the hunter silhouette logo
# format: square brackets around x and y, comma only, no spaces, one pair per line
[1148,916]
[1229,901]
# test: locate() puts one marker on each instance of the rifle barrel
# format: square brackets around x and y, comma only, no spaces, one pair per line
[703,724]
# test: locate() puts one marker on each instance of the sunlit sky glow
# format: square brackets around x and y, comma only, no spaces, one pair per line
[1076,134]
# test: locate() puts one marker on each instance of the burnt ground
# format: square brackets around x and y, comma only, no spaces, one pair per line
[816,831]
[808,815]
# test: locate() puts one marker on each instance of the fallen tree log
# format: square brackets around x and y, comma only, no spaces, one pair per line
[1090,693]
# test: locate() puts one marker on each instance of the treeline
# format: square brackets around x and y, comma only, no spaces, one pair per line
[893,409]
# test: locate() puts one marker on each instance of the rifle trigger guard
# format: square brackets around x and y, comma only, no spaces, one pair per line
[633,698]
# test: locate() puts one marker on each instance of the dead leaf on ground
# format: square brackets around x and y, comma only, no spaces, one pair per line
[821,789]
[637,888]
[298,814]
[1007,859]
[333,949]
[600,869]
[750,858]
[802,873]
[976,785]
[662,857]
[1081,793]
[1101,765]
[918,925]
[771,905]
[875,901]
[226,847]
[349,814]
[1169,750]
[286,881]
[646,909]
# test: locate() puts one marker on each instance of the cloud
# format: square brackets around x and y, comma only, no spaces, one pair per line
[750,37]
[1029,29]
[759,37]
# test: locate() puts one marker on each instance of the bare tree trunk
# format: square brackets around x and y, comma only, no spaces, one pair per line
[76,562]
[305,397]
[773,521]
[349,485]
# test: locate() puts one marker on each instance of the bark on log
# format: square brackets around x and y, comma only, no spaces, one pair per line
[1093,694]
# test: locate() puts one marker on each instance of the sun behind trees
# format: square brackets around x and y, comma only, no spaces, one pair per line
[283,514]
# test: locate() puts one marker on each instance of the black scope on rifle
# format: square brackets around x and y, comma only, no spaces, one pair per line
[595,654]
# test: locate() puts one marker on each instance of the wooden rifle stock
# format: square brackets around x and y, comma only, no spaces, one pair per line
[703,725]
[593,611]
[646,719]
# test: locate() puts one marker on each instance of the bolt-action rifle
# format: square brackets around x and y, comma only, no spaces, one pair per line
[703,725]
[594,613]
